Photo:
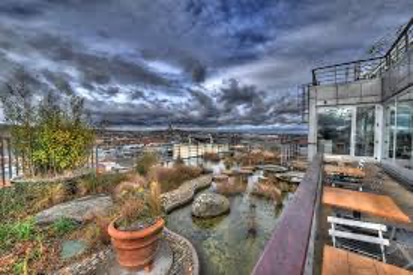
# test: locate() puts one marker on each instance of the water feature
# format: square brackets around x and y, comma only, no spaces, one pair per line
[232,243]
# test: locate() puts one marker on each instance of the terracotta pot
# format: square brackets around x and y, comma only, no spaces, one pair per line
[136,249]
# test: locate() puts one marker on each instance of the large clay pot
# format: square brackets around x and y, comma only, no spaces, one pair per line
[136,249]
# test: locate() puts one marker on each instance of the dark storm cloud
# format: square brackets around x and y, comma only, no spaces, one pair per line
[152,62]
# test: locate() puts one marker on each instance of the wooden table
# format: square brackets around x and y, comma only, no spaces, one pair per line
[338,261]
[372,204]
[348,171]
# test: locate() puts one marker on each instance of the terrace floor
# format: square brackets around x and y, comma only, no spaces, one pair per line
[402,197]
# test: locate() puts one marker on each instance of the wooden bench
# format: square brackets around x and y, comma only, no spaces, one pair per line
[341,262]
[335,232]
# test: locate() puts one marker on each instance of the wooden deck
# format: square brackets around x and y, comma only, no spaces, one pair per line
[368,203]
[341,262]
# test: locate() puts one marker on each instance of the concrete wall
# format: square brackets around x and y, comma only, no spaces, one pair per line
[359,92]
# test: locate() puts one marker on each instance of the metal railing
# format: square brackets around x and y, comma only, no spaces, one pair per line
[348,72]
[366,68]
[291,248]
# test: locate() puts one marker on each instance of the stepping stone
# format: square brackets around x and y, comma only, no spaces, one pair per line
[292,176]
[72,248]
[244,172]
[220,178]
[273,168]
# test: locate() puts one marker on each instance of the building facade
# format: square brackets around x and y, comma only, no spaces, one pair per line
[364,108]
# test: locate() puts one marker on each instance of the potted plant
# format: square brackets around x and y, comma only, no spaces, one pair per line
[136,232]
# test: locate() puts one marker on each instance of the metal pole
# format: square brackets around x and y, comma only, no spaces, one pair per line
[3,169]
[96,159]
[10,160]
[17,163]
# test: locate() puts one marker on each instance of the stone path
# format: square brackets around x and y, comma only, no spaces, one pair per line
[185,192]
[161,265]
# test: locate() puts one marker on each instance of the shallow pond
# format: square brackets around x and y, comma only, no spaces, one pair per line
[230,244]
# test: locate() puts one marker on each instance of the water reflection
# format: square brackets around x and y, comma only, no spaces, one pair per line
[232,243]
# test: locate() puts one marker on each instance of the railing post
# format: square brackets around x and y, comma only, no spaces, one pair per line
[3,169]
[314,81]
[96,160]
[10,159]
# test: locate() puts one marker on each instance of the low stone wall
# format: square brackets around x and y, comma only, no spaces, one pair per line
[21,192]
[185,192]
[185,258]
[52,180]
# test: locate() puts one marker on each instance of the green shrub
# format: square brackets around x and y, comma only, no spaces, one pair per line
[63,226]
[54,136]
[145,162]
[5,232]
[24,230]
[19,267]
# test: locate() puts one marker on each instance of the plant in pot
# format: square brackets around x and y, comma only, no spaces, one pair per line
[136,232]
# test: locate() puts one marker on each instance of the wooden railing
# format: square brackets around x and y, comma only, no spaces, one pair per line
[291,247]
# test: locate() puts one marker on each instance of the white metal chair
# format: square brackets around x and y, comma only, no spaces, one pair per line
[341,229]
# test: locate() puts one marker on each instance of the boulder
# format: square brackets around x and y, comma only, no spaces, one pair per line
[220,178]
[209,205]
[273,168]
[292,176]
[79,210]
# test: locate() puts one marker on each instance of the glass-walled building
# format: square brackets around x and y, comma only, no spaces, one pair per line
[364,108]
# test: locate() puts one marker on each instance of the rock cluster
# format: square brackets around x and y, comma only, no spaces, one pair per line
[185,192]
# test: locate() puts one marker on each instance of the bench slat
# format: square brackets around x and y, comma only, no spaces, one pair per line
[358,237]
[357,223]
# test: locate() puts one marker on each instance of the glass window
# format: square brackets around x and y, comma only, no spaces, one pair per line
[334,130]
[365,131]
[389,130]
[404,127]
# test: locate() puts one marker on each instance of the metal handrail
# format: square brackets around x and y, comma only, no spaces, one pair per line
[365,68]
[291,248]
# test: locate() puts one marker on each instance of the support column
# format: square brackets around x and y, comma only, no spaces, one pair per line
[312,124]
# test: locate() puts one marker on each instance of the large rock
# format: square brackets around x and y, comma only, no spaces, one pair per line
[273,168]
[292,176]
[209,205]
[80,209]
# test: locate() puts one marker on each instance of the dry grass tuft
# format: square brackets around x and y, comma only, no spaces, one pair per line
[48,196]
[171,178]
[235,185]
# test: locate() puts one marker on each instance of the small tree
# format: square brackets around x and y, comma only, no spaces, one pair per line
[145,162]
[50,132]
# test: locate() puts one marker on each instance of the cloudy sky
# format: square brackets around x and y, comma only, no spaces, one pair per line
[213,63]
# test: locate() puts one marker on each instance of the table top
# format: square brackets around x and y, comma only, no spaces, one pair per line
[377,205]
[348,171]
[338,261]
